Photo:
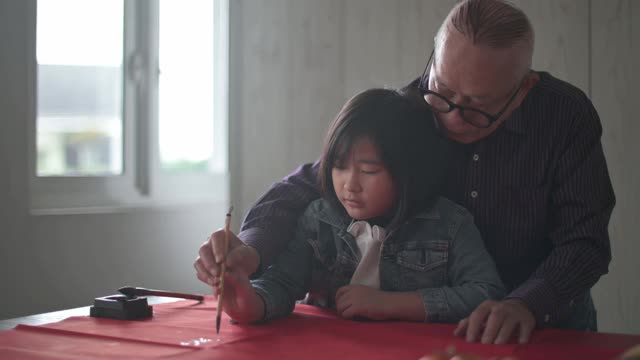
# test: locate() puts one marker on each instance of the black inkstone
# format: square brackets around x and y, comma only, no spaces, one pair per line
[121,307]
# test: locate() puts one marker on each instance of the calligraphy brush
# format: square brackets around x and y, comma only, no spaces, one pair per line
[223,269]
[132,291]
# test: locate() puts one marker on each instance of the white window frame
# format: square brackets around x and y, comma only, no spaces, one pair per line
[142,183]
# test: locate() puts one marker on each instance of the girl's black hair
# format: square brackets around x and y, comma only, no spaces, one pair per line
[408,143]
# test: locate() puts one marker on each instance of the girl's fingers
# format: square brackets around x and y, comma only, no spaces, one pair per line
[461,330]
[202,273]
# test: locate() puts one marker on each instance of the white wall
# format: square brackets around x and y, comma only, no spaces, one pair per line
[298,61]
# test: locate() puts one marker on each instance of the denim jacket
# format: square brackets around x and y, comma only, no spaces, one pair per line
[437,253]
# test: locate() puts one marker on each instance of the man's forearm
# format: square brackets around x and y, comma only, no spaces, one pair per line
[550,292]
[581,202]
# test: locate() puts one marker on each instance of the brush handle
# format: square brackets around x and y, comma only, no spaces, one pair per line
[223,268]
[220,295]
[139,291]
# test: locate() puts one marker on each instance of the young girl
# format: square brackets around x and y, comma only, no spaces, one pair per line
[381,244]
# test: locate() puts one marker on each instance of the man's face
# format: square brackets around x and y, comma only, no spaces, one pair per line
[475,76]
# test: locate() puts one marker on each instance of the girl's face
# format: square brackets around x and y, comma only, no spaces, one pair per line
[362,183]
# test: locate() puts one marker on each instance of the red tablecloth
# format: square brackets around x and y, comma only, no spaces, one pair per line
[186,329]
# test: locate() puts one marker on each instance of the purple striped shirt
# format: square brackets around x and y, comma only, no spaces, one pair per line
[538,188]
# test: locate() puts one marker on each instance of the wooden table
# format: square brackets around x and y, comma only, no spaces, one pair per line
[186,330]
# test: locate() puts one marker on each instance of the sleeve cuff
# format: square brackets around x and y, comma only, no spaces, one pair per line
[435,305]
[541,300]
[252,237]
[268,302]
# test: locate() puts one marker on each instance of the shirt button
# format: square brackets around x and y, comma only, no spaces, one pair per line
[476,157]
[474,194]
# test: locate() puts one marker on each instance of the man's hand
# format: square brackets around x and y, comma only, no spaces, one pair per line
[497,321]
[239,299]
[240,257]
[360,300]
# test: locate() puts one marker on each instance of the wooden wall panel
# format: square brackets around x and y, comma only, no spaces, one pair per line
[615,77]
[317,77]
[388,42]
[261,115]
[562,38]
[287,82]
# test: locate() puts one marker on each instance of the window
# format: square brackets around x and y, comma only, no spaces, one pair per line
[79,122]
[131,104]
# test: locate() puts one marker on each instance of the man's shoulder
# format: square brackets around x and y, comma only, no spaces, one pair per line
[559,106]
[551,89]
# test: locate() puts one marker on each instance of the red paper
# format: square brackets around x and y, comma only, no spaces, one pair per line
[186,329]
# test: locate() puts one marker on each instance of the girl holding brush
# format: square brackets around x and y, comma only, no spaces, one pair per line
[381,243]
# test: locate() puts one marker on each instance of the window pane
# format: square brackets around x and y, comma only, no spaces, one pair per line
[186,85]
[79,53]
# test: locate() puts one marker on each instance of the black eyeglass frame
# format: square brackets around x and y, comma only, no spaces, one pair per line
[423,87]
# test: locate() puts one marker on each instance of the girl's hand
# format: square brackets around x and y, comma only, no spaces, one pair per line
[239,256]
[359,300]
[240,300]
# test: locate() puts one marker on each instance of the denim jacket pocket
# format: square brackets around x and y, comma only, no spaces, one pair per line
[423,255]
[421,264]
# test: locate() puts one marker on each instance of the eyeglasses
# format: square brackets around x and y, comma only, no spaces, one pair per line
[440,103]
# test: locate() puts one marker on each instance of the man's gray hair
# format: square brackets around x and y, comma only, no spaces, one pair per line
[495,23]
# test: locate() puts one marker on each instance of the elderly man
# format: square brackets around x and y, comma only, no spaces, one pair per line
[529,167]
